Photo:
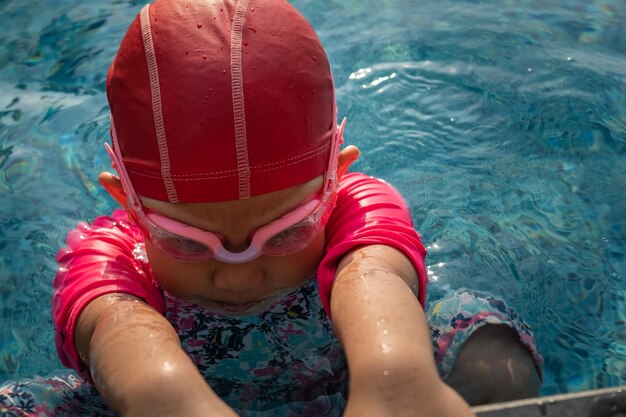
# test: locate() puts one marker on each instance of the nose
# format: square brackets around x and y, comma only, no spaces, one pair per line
[238,277]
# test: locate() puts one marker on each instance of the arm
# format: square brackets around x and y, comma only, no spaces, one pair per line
[137,363]
[121,340]
[383,330]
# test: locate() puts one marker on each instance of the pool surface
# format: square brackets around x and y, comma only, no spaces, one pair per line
[503,123]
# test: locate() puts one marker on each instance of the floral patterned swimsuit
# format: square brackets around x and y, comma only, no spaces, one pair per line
[286,355]
[283,362]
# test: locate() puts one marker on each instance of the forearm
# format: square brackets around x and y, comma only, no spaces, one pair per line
[382,327]
[375,339]
[138,365]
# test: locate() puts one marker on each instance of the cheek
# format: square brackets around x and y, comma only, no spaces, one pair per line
[169,273]
[297,268]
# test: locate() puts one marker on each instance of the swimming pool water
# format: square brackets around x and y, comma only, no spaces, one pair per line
[503,123]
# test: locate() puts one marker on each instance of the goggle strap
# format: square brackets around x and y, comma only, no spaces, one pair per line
[116,158]
[333,161]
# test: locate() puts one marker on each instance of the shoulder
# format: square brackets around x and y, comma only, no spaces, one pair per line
[362,199]
[369,211]
[104,235]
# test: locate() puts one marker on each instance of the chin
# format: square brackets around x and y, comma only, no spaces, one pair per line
[236,309]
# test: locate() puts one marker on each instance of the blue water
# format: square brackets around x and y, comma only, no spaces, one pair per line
[502,122]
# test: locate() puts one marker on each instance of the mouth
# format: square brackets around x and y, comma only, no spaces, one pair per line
[236,309]
[239,308]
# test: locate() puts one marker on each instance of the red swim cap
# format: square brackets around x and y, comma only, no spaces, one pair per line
[215,100]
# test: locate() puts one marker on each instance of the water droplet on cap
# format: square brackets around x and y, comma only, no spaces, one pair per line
[199,25]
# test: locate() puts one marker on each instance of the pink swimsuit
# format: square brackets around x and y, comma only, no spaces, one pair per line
[107,256]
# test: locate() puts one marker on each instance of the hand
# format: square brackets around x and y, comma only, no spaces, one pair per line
[444,402]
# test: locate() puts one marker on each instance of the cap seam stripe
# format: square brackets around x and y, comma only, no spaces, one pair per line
[157,110]
[239,113]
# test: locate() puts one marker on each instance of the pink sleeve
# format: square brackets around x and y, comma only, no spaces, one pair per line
[369,212]
[98,260]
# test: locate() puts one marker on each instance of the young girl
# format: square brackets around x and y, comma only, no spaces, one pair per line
[249,273]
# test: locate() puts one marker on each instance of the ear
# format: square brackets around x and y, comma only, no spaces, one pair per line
[113,185]
[346,157]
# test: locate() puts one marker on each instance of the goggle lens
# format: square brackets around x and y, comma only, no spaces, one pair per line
[292,239]
[177,246]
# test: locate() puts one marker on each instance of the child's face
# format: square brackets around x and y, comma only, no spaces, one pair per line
[236,288]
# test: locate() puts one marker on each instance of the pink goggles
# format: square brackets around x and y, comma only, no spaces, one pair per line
[290,233]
